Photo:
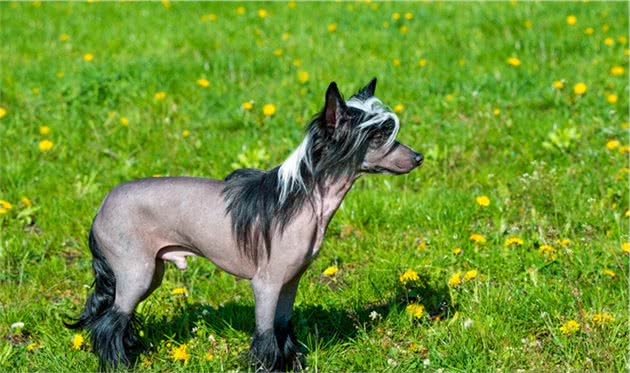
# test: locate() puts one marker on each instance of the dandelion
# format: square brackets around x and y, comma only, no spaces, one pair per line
[457,250]
[399,108]
[44,130]
[408,16]
[26,201]
[332,27]
[409,276]
[589,31]
[545,250]
[496,112]
[185,133]
[247,105]
[331,271]
[5,206]
[415,310]
[178,291]
[528,24]
[477,238]
[570,327]
[565,242]
[3,112]
[625,247]
[32,347]
[77,341]
[624,125]
[159,96]
[277,52]
[396,16]
[605,28]
[483,201]
[612,144]
[45,145]
[262,13]
[513,61]
[622,39]
[449,98]
[470,275]
[513,241]
[203,83]
[166,4]
[302,76]
[612,98]
[617,70]
[180,353]
[455,280]
[269,110]
[60,74]
[404,29]
[609,272]
[609,41]
[240,10]
[88,57]
[558,84]
[624,149]
[292,4]
[35,91]
[601,319]
[422,62]
[209,356]
[396,62]
[64,37]
[571,20]
[579,88]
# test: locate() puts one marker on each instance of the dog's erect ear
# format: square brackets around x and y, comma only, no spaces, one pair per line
[335,106]
[367,91]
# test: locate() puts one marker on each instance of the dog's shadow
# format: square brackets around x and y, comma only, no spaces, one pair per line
[322,325]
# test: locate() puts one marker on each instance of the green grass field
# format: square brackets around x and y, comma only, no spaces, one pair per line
[94,94]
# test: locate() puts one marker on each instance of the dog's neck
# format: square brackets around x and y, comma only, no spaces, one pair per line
[328,197]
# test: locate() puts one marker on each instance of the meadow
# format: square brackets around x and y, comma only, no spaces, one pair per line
[508,249]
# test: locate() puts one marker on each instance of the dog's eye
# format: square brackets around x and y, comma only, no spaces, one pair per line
[377,139]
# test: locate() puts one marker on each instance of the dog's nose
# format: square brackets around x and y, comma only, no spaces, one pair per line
[418,158]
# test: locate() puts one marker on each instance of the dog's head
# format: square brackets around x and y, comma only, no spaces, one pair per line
[360,134]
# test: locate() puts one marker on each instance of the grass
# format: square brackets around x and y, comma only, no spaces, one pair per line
[540,154]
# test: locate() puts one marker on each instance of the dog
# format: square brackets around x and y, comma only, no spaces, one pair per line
[264,226]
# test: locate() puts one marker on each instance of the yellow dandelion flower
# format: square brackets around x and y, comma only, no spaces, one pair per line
[5,206]
[415,310]
[180,353]
[209,356]
[262,13]
[609,41]
[513,241]
[625,247]
[297,62]
[612,98]
[605,28]
[409,276]
[601,319]
[496,112]
[247,105]
[513,61]
[44,130]
[589,31]
[399,108]
[455,280]
[302,76]
[477,238]
[32,346]
[88,57]
[545,250]
[622,39]
[404,29]
[77,341]
[528,24]
[64,37]
[483,200]
[457,250]
[26,201]
[470,275]
[624,125]
[609,272]
[579,88]
[332,27]
[240,10]
[203,83]
[558,84]
[386,24]
[178,291]
[3,112]
[124,121]
[269,110]
[612,144]
[331,271]
[185,133]
[60,74]
[564,242]
[396,16]
[450,98]
[35,91]
[570,327]
[45,145]
[422,62]
[571,20]
[617,70]
[292,4]
[159,96]
[277,52]
[396,62]
[408,16]
[166,4]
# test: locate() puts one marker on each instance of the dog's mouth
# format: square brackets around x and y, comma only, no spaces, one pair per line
[383,170]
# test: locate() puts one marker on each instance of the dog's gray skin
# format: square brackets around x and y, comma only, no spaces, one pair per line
[145,222]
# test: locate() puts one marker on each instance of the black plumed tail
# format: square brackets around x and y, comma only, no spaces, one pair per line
[112,331]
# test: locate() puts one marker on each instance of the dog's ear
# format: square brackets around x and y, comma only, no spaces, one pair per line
[367,91]
[334,108]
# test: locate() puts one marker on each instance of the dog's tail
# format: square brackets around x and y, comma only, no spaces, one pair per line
[111,331]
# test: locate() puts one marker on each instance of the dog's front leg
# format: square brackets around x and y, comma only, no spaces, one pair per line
[287,342]
[264,350]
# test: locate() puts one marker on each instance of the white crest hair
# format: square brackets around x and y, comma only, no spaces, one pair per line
[289,175]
